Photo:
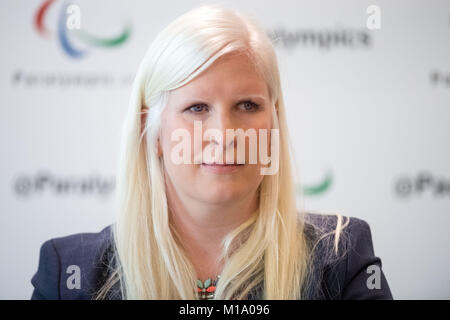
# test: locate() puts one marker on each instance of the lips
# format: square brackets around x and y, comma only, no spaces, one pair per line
[222,168]
[222,164]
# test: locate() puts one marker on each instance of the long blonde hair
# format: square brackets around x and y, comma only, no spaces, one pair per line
[270,248]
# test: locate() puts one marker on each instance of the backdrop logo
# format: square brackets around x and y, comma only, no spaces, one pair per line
[423,183]
[319,188]
[440,79]
[328,39]
[66,35]
[44,182]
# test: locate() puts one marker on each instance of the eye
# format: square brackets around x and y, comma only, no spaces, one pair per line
[249,106]
[197,108]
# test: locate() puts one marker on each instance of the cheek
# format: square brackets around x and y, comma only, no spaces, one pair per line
[176,137]
[263,127]
[179,172]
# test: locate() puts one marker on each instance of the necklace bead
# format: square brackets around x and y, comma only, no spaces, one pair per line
[206,289]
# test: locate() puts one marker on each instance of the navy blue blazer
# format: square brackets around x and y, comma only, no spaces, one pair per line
[355,274]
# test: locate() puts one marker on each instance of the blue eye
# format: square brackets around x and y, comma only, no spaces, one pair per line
[250,106]
[197,108]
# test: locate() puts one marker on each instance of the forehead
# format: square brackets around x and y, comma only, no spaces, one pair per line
[230,75]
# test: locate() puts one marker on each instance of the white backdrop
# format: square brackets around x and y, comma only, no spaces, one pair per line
[368,111]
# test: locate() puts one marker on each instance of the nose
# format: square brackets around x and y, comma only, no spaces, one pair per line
[219,122]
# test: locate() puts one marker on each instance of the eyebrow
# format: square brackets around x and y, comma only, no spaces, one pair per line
[245,96]
[239,98]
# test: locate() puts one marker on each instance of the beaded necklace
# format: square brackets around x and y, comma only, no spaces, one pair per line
[206,289]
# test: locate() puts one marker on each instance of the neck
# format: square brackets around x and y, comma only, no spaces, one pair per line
[202,226]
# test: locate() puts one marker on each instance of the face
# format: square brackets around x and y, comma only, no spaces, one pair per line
[228,95]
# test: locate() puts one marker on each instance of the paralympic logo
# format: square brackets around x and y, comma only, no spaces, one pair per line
[81,35]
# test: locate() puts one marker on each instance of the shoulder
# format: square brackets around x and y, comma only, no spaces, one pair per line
[73,266]
[323,229]
[351,272]
[328,222]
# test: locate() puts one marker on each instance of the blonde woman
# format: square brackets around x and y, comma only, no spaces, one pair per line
[193,224]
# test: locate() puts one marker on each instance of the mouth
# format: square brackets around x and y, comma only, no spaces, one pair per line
[222,164]
[222,168]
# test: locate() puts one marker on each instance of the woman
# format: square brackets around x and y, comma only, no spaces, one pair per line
[197,220]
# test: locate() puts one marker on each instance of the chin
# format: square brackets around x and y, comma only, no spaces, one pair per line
[223,193]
